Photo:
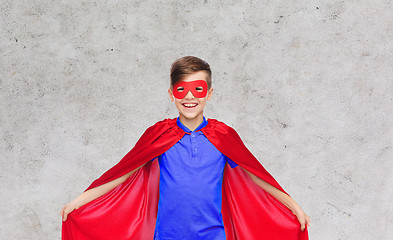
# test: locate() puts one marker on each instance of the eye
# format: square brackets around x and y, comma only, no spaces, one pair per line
[199,89]
[180,89]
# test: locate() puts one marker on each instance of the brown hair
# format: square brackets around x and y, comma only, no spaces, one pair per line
[187,65]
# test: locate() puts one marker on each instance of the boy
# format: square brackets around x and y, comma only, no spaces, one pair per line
[190,193]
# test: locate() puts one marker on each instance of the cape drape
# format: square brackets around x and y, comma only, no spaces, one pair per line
[129,211]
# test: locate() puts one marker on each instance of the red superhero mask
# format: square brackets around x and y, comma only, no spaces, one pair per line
[198,88]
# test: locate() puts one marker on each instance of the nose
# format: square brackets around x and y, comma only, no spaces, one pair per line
[189,95]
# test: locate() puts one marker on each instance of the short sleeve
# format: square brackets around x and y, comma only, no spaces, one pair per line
[230,162]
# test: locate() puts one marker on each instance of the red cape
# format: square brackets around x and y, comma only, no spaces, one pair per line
[129,211]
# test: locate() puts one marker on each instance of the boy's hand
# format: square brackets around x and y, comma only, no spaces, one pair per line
[67,209]
[303,218]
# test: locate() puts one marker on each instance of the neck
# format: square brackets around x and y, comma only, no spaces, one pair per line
[191,123]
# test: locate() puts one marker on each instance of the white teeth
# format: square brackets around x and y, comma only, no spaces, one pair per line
[190,105]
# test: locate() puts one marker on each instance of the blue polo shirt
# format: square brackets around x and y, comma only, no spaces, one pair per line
[191,175]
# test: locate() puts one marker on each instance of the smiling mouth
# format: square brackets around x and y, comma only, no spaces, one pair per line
[189,105]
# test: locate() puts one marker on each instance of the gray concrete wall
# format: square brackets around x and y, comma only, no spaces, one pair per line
[308,85]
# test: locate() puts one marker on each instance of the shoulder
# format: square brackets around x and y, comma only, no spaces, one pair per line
[215,122]
[216,125]
[166,121]
[220,131]
[162,125]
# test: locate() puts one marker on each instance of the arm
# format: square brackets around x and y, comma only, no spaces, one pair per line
[284,199]
[93,193]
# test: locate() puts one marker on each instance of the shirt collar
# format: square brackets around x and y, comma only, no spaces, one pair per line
[186,129]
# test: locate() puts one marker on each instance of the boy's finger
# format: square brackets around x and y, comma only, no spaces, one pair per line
[62,211]
[65,214]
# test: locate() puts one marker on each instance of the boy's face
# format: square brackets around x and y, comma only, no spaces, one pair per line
[189,106]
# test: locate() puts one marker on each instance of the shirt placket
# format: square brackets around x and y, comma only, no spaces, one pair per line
[194,147]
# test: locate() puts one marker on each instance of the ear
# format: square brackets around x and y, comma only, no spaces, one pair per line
[171,95]
[209,93]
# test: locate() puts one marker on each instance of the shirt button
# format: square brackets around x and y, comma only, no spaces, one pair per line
[192,135]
